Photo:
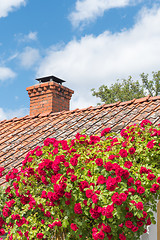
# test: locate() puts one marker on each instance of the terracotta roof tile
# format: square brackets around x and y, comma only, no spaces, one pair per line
[19,135]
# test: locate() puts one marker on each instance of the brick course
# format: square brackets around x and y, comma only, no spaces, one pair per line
[49,97]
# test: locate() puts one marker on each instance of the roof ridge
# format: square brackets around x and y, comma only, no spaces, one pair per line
[119,103]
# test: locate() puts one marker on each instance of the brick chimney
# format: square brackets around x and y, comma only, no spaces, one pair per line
[49,96]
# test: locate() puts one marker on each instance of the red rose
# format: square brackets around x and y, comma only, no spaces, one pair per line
[111,157]
[40,235]
[123,153]
[139,205]
[89,173]
[2,232]
[122,237]
[151,176]
[95,199]
[67,202]
[129,224]
[39,153]
[132,150]
[123,197]
[152,190]
[139,224]
[95,212]
[144,214]
[105,131]
[73,178]
[73,226]
[74,161]
[66,164]
[101,179]
[99,162]
[143,170]
[85,202]
[158,180]
[89,193]
[108,166]
[138,183]
[111,183]
[129,215]
[150,144]
[68,195]
[155,186]
[1,170]
[125,174]
[106,229]
[57,223]
[124,133]
[77,208]
[130,181]
[149,221]
[118,179]
[145,122]
[100,235]
[134,229]
[132,190]
[1,222]
[128,164]
[140,190]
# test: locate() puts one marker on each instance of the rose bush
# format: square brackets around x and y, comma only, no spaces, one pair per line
[87,187]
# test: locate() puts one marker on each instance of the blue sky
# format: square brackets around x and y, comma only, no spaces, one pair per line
[85,42]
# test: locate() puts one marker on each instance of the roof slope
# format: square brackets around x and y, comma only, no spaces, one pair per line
[19,135]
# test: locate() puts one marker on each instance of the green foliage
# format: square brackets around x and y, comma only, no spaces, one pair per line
[3,198]
[86,188]
[128,89]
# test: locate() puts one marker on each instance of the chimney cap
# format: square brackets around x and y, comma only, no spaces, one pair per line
[50,79]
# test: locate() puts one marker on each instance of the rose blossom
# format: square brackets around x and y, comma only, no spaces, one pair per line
[95,199]
[105,131]
[77,208]
[123,153]
[134,229]
[73,178]
[129,224]
[106,229]
[99,162]
[140,190]
[151,176]
[150,144]
[40,235]
[158,180]
[139,205]
[132,150]
[122,237]
[138,183]
[73,226]
[128,164]
[101,179]
[89,193]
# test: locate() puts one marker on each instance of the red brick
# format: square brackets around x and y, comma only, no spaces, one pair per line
[47,97]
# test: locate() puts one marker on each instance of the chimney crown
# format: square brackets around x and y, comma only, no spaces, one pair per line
[50,79]
[49,96]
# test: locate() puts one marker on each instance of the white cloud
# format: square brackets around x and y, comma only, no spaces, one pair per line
[2,114]
[29,57]
[89,10]
[7,6]
[8,114]
[93,61]
[6,73]
[31,36]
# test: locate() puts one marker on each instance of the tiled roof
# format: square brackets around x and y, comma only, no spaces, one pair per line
[19,135]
